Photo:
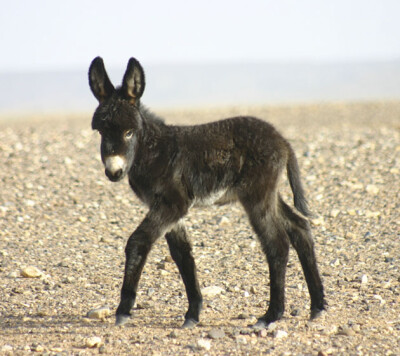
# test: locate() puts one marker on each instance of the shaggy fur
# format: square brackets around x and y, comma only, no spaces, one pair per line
[172,168]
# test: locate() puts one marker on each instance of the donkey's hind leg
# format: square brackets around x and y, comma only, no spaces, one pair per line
[181,252]
[275,244]
[298,229]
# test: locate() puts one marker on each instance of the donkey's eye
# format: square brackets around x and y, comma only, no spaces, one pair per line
[128,134]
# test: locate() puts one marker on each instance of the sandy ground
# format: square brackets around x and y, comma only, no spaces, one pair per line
[64,219]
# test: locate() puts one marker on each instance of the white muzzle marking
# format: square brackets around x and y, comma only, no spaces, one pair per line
[115,163]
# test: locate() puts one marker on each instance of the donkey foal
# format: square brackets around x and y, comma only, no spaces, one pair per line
[172,168]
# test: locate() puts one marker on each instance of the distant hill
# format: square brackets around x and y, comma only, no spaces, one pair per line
[185,85]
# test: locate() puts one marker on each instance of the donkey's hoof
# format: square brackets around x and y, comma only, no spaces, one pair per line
[316,313]
[259,325]
[121,319]
[189,324]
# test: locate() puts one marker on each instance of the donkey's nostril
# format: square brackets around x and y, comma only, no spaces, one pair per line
[114,176]
[118,173]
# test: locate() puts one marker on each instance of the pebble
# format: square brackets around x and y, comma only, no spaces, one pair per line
[346,331]
[150,291]
[103,350]
[224,221]
[318,221]
[243,316]
[241,339]
[211,291]
[295,312]
[37,348]
[372,214]
[328,330]
[216,333]
[262,333]
[93,342]
[280,334]
[99,313]
[13,274]
[364,279]
[372,189]
[378,297]
[173,334]
[31,272]
[168,259]
[29,202]
[204,344]
[6,348]
[334,213]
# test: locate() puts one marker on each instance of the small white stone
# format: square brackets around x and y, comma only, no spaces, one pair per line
[378,297]
[318,221]
[372,214]
[29,202]
[334,213]
[372,189]
[211,291]
[99,313]
[31,272]
[280,334]
[351,212]
[204,344]
[93,341]
[224,221]
[6,348]
[364,279]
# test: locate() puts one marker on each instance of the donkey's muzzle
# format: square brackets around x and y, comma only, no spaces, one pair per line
[115,167]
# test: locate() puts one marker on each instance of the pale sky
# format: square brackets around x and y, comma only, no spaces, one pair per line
[56,35]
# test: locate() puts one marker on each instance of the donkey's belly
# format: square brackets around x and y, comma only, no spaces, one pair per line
[219,197]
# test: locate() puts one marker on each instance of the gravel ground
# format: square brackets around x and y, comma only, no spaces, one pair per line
[64,227]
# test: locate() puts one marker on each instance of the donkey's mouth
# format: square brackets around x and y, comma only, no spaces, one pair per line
[114,176]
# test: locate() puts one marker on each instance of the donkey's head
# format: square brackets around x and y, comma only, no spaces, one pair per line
[117,117]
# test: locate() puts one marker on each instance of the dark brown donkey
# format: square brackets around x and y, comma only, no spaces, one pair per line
[172,168]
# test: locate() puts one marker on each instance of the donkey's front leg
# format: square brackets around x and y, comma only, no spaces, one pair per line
[181,252]
[137,248]
[166,212]
[136,251]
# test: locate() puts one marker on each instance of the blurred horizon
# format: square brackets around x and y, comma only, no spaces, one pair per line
[184,85]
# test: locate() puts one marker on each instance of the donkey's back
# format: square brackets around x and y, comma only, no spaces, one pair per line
[220,160]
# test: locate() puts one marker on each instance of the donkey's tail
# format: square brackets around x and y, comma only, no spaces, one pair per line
[293,172]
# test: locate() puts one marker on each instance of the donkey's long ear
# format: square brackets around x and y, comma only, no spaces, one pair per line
[99,82]
[134,82]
